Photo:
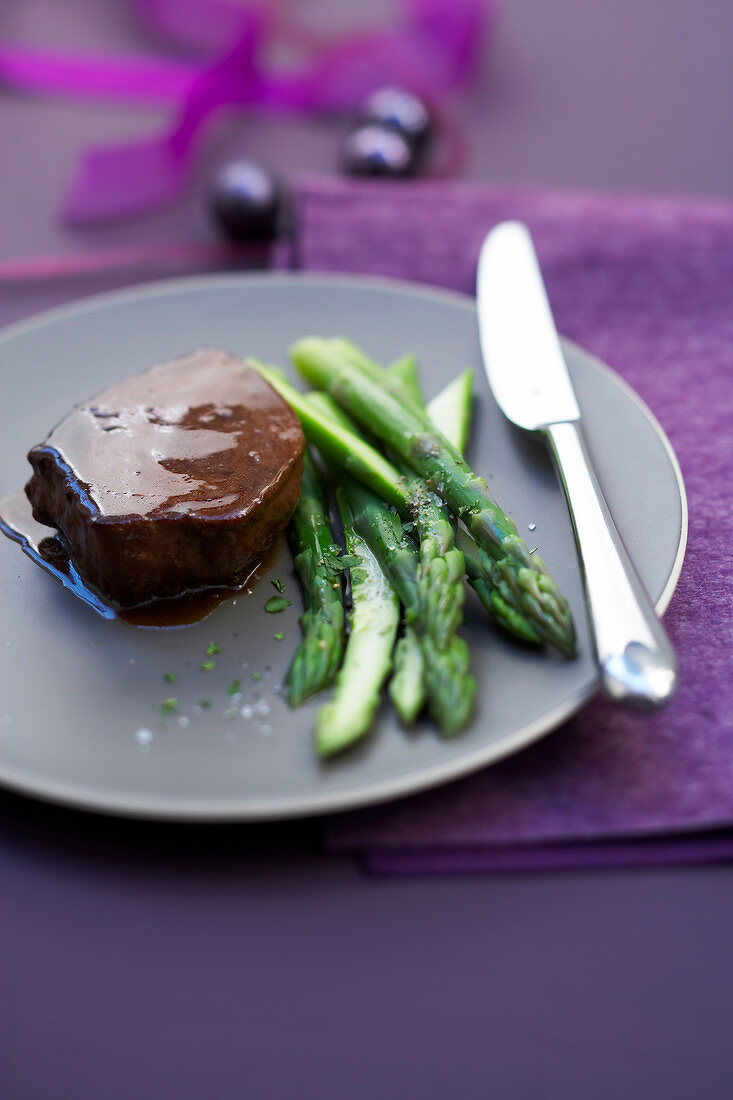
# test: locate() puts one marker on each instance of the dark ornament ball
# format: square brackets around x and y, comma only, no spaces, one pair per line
[404,111]
[248,202]
[376,150]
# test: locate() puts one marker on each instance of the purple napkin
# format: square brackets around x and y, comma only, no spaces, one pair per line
[647,284]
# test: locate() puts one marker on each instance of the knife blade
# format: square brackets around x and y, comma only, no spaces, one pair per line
[529,378]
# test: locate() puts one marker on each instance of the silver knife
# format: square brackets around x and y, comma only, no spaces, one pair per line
[530,381]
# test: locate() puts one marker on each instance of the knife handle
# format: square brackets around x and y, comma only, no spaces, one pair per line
[635,658]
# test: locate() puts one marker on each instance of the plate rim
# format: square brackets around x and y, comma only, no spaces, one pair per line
[128,804]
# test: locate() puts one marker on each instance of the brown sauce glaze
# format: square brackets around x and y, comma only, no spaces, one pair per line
[43,546]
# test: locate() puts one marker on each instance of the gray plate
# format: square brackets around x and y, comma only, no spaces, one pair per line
[76,689]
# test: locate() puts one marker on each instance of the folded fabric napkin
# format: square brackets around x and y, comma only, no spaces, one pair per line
[646,284]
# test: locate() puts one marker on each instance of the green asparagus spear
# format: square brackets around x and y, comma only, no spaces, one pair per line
[394,381]
[407,686]
[319,653]
[368,659]
[448,682]
[521,580]
[405,371]
[441,567]
[503,613]
[450,410]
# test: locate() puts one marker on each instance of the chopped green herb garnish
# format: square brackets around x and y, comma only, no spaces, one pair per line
[233,687]
[255,676]
[169,706]
[277,603]
[279,636]
[278,585]
[212,648]
[170,677]
[349,559]
[331,562]
[207,666]
[205,703]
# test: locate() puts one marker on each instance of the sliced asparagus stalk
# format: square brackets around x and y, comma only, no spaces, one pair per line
[405,370]
[319,653]
[450,410]
[407,686]
[374,620]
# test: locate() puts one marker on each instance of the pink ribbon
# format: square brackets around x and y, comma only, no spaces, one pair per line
[433,49]
[158,254]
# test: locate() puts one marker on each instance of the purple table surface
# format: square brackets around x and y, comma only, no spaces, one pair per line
[157,961]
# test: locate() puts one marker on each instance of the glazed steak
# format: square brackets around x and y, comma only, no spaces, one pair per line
[173,480]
